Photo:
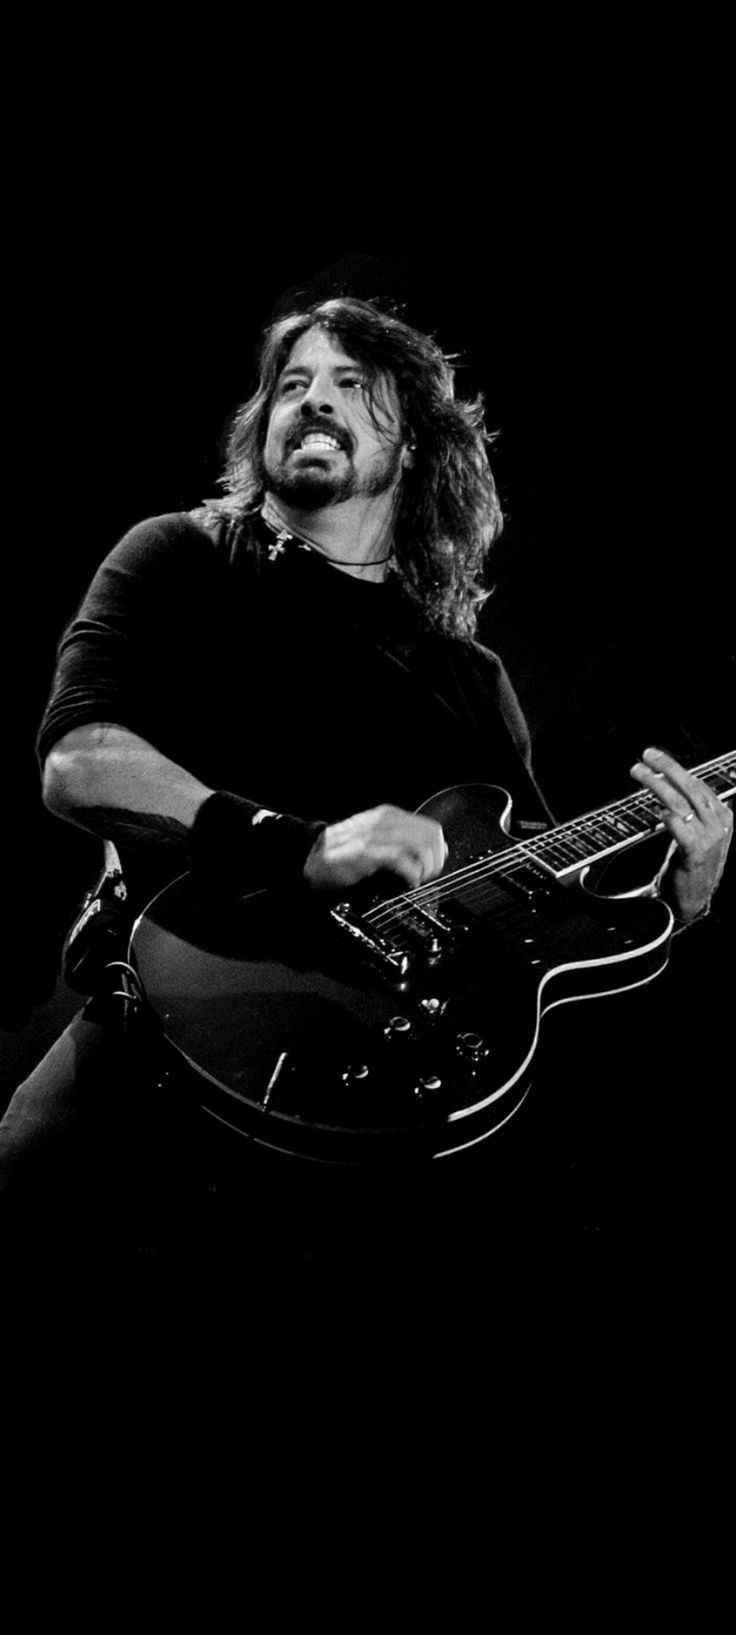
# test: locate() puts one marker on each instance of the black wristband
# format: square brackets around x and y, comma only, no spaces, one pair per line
[236,845]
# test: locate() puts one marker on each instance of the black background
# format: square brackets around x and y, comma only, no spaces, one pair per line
[557,211]
[575,263]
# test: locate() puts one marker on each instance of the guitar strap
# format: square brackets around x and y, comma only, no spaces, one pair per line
[473,688]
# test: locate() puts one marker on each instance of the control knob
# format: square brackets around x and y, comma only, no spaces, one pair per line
[356,1073]
[472,1046]
[399,1027]
[428,1086]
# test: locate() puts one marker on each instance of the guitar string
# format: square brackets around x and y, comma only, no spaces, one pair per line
[520,852]
[396,910]
[518,855]
[507,862]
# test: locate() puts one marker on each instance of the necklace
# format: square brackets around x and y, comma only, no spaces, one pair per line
[283,534]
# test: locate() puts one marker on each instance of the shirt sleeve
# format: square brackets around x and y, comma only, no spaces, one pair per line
[114,652]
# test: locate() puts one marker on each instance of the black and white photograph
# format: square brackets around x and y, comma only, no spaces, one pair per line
[369,916]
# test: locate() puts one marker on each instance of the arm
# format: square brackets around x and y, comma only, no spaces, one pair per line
[107,779]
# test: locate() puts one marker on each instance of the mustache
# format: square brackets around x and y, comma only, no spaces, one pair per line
[315,424]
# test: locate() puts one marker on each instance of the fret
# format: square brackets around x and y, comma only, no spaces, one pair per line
[642,818]
[722,781]
[560,853]
[623,824]
[613,828]
[577,844]
[583,839]
[606,831]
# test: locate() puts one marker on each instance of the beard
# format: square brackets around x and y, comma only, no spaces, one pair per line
[309,490]
[317,486]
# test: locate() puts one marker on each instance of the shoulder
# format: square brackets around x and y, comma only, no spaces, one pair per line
[160,535]
[233,535]
[189,553]
[181,543]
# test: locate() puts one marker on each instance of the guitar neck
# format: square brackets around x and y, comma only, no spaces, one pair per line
[612,829]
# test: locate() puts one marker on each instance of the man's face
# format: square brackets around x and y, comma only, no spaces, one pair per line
[322,446]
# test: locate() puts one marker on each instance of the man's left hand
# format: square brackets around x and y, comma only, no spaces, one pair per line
[700,824]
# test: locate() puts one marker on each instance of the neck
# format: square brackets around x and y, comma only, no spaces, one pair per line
[354,535]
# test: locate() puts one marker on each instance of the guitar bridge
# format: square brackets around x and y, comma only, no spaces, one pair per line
[396,961]
[434,933]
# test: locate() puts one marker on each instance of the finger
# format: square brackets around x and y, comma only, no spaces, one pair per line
[669,801]
[440,850]
[403,859]
[410,866]
[684,829]
[423,842]
[694,792]
[713,817]
[440,853]
[431,853]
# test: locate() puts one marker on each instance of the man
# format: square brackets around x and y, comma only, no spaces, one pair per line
[341,453]
[266,689]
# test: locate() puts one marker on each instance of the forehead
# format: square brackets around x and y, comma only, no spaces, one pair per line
[315,348]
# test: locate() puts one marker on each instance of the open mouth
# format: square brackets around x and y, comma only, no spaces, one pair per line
[317,442]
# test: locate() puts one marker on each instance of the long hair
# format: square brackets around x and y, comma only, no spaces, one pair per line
[447,512]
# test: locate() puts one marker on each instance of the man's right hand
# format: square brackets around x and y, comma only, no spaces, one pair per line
[384,838]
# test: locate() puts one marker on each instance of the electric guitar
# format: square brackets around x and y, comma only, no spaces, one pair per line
[404,1026]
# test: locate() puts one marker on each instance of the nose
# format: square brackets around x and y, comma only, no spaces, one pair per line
[317,398]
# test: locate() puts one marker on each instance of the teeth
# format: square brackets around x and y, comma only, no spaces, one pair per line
[318,439]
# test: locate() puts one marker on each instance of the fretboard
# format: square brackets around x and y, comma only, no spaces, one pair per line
[611,829]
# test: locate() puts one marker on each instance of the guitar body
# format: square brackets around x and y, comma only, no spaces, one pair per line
[400,1030]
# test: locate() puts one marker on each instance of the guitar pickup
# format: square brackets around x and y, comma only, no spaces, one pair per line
[375,947]
[529,881]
